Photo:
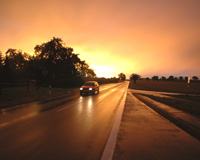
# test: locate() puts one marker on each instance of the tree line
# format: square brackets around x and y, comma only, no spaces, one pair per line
[52,62]
[135,77]
[172,78]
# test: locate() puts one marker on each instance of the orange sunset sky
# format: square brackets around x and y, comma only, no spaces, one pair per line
[147,37]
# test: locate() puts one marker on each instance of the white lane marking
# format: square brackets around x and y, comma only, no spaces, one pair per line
[110,145]
[68,106]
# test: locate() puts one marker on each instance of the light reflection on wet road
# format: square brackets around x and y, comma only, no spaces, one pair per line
[77,129]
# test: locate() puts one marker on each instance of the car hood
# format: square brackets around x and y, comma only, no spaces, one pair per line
[87,87]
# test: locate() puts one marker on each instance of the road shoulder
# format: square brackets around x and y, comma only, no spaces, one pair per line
[144,134]
[186,121]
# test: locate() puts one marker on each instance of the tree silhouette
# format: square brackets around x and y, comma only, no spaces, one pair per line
[15,64]
[171,78]
[122,76]
[186,78]
[163,78]
[147,78]
[1,69]
[91,73]
[59,61]
[181,78]
[155,78]
[134,77]
[1,64]
[1,59]
[195,78]
[52,63]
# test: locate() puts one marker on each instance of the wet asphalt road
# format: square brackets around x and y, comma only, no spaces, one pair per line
[77,129]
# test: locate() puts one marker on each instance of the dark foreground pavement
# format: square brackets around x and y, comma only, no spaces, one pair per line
[144,135]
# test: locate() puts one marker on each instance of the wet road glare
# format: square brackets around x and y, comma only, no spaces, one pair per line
[77,129]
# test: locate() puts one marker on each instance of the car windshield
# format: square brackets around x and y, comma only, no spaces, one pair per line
[89,84]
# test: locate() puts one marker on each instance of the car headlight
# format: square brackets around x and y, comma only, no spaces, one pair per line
[81,88]
[90,89]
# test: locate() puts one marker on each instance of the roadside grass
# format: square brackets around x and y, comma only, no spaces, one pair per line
[20,95]
[166,86]
[188,104]
[195,98]
[189,101]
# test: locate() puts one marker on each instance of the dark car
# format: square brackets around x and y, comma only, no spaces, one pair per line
[90,87]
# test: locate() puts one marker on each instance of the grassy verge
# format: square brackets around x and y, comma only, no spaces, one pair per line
[166,86]
[188,104]
[195,98]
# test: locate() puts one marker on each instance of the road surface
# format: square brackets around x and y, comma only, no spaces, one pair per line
[76,128]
